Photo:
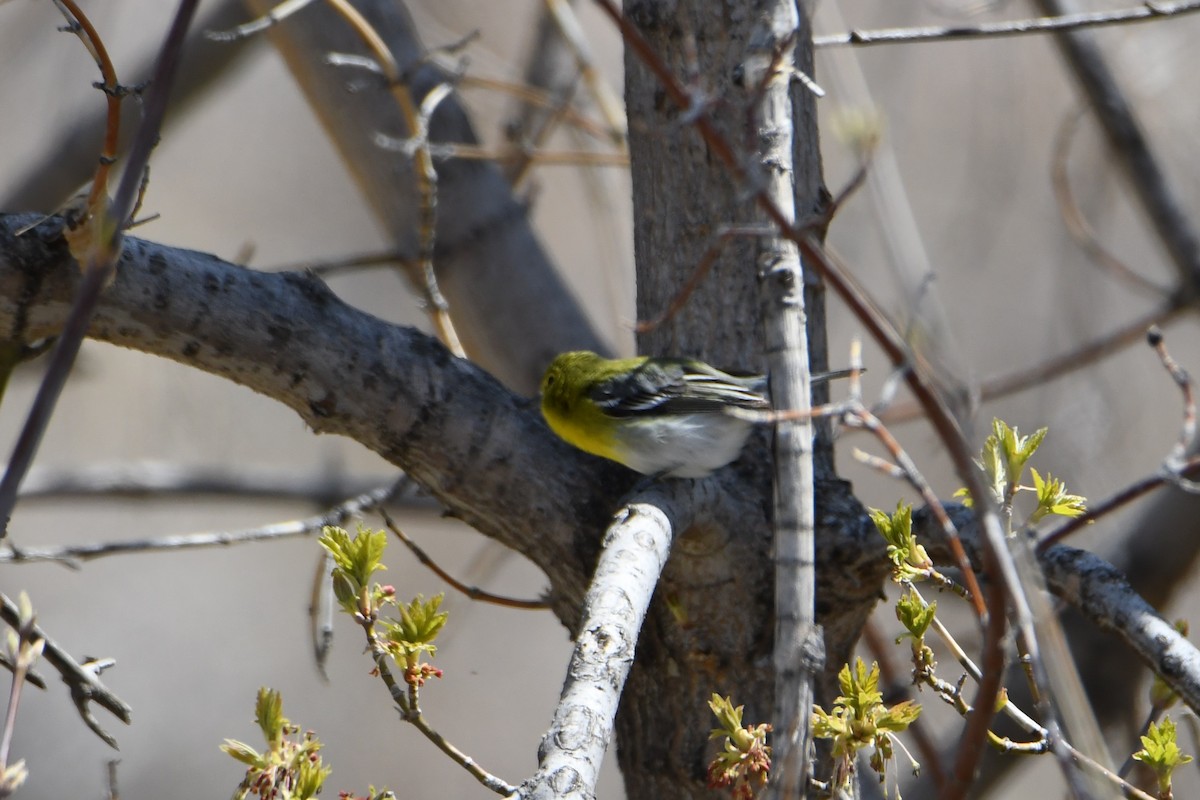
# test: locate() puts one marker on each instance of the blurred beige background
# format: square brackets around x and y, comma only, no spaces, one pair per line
[195,634]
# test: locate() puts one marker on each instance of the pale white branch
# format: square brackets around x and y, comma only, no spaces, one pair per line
[634,553]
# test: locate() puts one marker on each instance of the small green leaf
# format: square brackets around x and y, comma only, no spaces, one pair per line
[421,621]
[859,720]
[744,763]
[910,559]
[290,768]
[1161,753]
[899,716]
[729,718]
[268,713]
[915,615]
[964,494]
[415,631]
[359,557]
[242,752]
[1053,498]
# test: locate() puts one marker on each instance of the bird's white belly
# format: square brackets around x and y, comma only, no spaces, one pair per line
[684,446]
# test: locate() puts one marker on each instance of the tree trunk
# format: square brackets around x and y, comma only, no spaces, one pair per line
[711,626]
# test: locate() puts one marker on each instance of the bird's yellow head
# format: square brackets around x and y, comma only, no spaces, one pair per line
[565,404]
[565,381]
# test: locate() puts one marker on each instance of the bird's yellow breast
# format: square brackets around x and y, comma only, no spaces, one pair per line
[574,428]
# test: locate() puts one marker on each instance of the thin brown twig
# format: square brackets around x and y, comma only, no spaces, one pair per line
[878,463]
[410,710]
[528,94]
[853,185]
[473,152]
[1146,11]
[1122,498]
[83,679]
[537,97]
[862,417]
[113,93]
[521,165]
[472,592]
[28,647]
[333,266]
[1072,215]
[700,272]
[100,259]
[1058,366]
[1187,433]
[1176,468]
[417,120]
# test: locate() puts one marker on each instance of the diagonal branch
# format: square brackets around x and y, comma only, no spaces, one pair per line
[634,553]
[479,449]
[1059,21]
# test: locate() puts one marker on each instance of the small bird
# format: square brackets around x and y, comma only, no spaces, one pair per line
[658,416]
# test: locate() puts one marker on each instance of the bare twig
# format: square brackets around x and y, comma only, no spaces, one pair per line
[1049,24]
[1187,434]
[862,417]
[700,272]
[25,649]
[71,555]
[1118,500]
[531,157]
[113,92]
[83,679]
[1084,355]
[406,700]
[473,592]
[274,16]
[417,118]
[168,480]
[610,105]
[1077,225]
[535,96]
[103,254]
[68,158]
[333,266]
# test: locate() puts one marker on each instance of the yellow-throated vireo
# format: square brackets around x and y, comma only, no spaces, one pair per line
[659,416]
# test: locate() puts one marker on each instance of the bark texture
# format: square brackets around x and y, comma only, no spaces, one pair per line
[711,628]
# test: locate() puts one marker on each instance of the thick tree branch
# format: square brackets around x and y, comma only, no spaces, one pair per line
[1099,592]
[479,449]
